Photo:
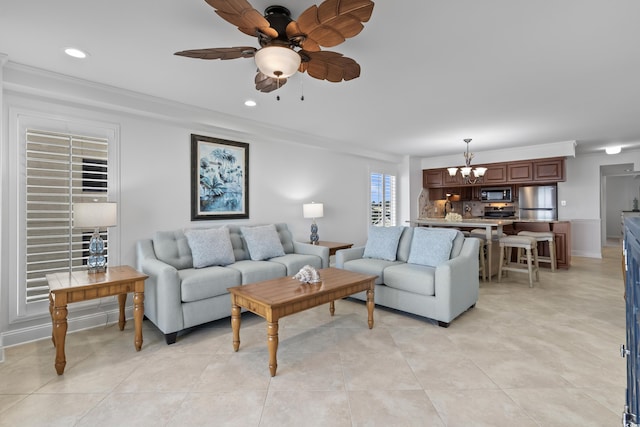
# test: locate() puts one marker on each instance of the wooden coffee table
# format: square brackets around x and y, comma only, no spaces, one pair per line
[81,286]
[273,299]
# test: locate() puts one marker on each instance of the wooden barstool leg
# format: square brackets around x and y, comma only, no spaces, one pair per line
[502,253]
[529,267]
[552,254]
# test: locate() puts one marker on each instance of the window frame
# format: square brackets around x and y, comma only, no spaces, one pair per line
[19,121]
[393,198]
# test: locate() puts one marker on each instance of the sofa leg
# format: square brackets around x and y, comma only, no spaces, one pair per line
[443,324]
[171,338]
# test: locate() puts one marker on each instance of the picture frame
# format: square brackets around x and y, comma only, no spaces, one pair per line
[219,179]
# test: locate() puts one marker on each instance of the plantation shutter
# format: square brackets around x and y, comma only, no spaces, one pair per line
[383,200]
[61,169]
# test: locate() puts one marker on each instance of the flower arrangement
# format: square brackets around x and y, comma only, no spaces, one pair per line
[453,217]
[307,274]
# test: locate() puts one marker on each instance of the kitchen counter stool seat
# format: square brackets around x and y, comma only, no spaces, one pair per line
[530,245]
[544,236]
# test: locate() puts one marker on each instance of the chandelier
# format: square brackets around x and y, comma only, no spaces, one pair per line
[469,175]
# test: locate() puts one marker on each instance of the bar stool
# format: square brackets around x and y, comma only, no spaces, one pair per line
[481,234]
[544,236]
[530,245]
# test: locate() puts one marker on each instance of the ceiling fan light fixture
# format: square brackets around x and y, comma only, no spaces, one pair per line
[277,61]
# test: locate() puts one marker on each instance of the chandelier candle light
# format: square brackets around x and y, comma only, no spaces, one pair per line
[95,215]
[467,171]
[313,210]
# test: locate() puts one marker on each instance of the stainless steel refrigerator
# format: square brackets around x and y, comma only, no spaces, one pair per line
[538,202]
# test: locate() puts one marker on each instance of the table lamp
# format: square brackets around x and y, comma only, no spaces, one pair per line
[95,215]
[313,210]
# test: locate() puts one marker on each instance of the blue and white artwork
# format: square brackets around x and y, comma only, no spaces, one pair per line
[222,181]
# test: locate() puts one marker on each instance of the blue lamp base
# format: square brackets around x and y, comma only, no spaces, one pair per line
[97,262]
[314,234]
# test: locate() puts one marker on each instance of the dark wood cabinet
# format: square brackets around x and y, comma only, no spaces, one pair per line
[549,170]
[520,172]
[562,230]
[451,180]
[432,178]
[496,174]
[437,193]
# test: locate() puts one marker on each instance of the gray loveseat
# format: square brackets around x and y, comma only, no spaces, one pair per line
[179,296]
[429,272]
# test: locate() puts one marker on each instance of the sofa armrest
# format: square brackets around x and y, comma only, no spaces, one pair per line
[344,255]
[456,280]
[309,249]
[163,299]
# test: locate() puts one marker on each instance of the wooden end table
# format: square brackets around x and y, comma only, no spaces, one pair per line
[276,298]
[78,286]
[334,246]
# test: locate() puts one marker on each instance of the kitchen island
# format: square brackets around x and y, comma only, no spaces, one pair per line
[488,224]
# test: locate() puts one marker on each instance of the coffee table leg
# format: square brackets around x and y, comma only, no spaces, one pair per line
[235,326]
[59,334]
[332,307]
[272,344]
[122,300]
[370,305]
[138,314]
[53,337]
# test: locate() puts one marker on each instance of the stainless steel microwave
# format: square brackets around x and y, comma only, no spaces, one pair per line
[496,194]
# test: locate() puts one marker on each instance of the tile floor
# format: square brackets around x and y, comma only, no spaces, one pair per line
[547,356]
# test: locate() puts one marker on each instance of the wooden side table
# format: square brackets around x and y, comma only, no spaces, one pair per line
[334,246]
[78,286]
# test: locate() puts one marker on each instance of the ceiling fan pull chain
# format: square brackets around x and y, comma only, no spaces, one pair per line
[278,74]
[301,91]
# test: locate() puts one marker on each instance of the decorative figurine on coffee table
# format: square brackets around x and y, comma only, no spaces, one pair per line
[308,274]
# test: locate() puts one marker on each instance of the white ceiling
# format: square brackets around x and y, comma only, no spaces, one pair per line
[506,73]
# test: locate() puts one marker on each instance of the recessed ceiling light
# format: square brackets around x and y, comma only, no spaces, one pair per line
[250,103]
[75,52]
[613,150]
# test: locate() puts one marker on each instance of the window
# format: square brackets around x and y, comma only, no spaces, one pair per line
[383,200]
[60,169]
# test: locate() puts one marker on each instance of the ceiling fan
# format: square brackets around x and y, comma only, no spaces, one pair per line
[287,46]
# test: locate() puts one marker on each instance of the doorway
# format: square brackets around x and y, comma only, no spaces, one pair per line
[620,184]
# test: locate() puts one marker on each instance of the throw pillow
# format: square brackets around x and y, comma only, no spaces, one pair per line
[263,242]
[210,247]
[431,246]
[382,243]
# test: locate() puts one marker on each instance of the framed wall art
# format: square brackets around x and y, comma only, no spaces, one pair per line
[219,179]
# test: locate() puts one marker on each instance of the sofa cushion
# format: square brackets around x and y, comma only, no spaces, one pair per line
[171,247]
[294,262]
[376,267]
[263,242]
[404,245]
[210,247]
[257,271]
[431,246]
[419,279]
[382,242]
[201,283]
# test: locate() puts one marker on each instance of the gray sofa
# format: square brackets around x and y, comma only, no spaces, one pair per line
[179,296]
[414,278]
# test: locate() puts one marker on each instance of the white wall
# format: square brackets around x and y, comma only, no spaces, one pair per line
[155,163]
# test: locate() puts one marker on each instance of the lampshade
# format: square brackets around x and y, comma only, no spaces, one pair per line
[313,210]
[277,61]
[92,215]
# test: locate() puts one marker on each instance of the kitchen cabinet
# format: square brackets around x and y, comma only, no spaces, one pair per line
[496,174]
[451,180]
[437,193]
[549,170]
[562,231]
[432,178]
[520,172]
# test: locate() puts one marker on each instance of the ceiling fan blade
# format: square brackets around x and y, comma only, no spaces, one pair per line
[333,21]
[241,14]
[268,84]
[220,53]
[331,66]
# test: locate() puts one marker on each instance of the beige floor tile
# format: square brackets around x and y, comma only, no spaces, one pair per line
[479,408]
[563,407]
[447,371]
[308,371]
[393,408]
[240,408]
[308,408]
[237,371]
[378,371]
[50,410]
